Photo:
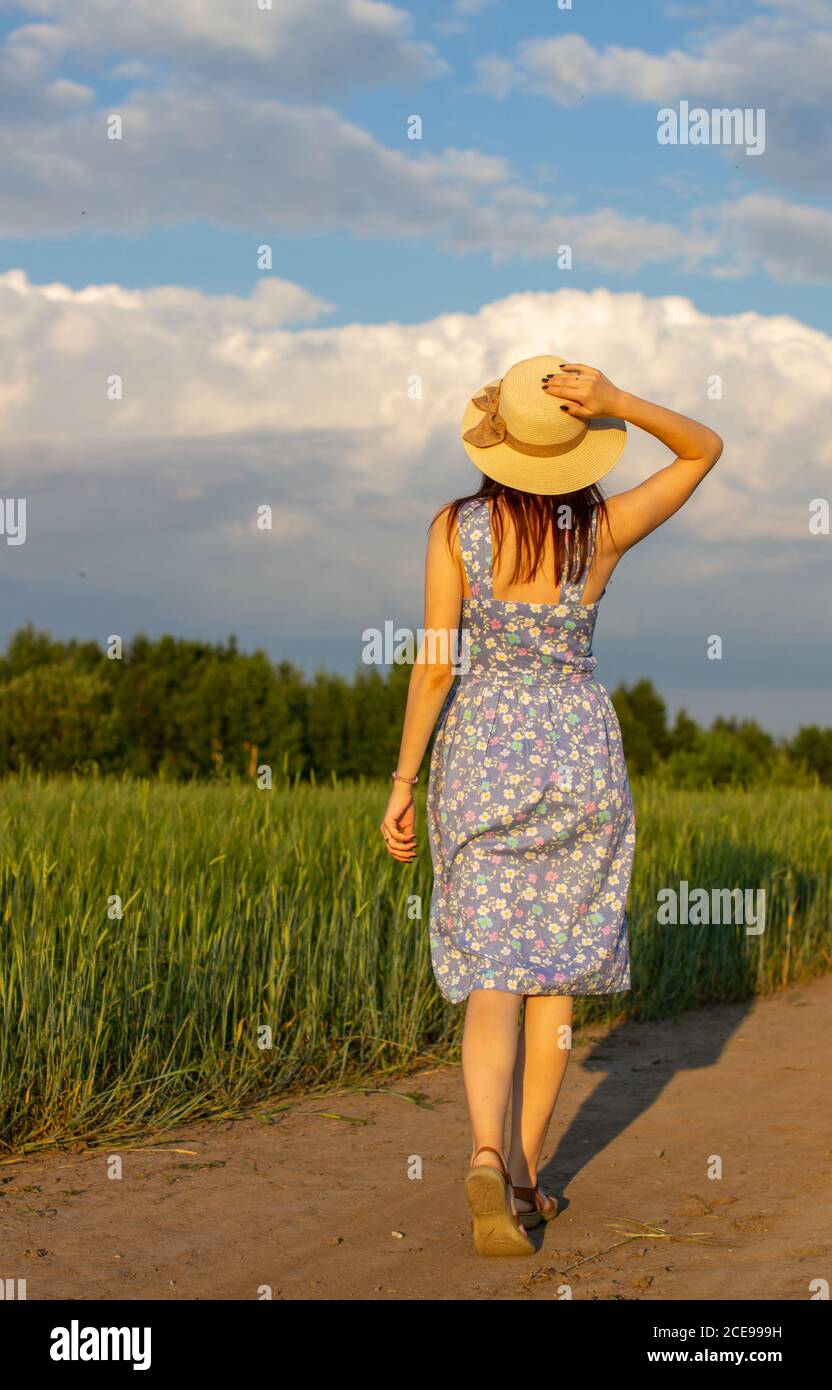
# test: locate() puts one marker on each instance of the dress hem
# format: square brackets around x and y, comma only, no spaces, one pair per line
[539,993]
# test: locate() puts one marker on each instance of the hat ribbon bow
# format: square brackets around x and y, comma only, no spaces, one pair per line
[491,429]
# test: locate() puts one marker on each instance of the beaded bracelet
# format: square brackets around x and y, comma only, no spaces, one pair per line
[411,781]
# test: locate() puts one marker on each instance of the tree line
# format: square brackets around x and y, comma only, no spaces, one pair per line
[184,709]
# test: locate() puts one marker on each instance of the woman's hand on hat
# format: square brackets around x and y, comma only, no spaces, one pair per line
[586,392]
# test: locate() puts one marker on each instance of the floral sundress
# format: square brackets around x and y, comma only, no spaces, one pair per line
[530,817]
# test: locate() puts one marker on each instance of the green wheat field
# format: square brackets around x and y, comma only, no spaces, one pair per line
[246,910]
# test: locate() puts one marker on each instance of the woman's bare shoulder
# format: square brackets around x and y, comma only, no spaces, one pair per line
[443,531]
[440,521]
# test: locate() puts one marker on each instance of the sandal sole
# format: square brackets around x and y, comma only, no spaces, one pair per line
[495,1230]
[529,1220]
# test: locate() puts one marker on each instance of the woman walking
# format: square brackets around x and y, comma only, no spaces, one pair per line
[530,818]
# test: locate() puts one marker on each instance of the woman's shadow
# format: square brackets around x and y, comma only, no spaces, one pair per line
[639,1059]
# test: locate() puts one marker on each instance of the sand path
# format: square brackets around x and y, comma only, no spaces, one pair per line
[308,1205]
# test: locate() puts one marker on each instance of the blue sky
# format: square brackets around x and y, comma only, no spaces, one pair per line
[599,151]
[392,256]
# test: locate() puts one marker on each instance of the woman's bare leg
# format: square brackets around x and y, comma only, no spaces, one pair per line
[489,1052]
[542,1058]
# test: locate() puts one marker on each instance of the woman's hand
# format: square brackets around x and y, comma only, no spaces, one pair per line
[398,824]
[587,392]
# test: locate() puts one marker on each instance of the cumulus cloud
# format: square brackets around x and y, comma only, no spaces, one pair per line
[792,242]
[196,365]
[28,88]
[59,347]
[754,62]
[236,162]
[234,156]
[779,60]
[299,47]
[350,435]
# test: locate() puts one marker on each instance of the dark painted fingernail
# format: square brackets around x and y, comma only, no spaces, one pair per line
[564,407]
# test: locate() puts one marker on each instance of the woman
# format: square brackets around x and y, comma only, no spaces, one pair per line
[530,818]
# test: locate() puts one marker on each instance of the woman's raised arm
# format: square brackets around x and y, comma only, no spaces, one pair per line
[634,514]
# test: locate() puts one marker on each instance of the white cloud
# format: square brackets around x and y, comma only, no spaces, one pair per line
[59,347]
[299,47]
[791,242]
[197,365]
[225,154]
[226,158]
[155,497]
[237,162]
[778,61]
[762,60]
[28,87]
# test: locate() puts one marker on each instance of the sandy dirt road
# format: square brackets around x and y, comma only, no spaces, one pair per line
[307,1204]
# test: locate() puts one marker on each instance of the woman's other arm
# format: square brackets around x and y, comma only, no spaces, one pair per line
[430,680]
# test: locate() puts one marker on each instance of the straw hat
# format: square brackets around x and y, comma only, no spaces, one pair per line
[518,435]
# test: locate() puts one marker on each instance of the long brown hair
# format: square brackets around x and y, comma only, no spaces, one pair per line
[532,517]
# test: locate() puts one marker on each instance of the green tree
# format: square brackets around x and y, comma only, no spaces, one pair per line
[642,715]
[811,749]
[686,735]
[58,719]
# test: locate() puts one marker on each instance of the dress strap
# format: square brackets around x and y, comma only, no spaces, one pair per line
[572,590]
[474,524]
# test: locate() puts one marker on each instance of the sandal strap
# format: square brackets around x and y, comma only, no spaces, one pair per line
[533,1194]
[486,1148]
[529,1194]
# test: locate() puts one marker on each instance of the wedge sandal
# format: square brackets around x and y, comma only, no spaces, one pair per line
[495,1227]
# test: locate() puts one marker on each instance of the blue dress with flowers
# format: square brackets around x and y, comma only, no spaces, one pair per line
[530,818]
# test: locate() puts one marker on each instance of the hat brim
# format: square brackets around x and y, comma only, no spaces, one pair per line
[594,455]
